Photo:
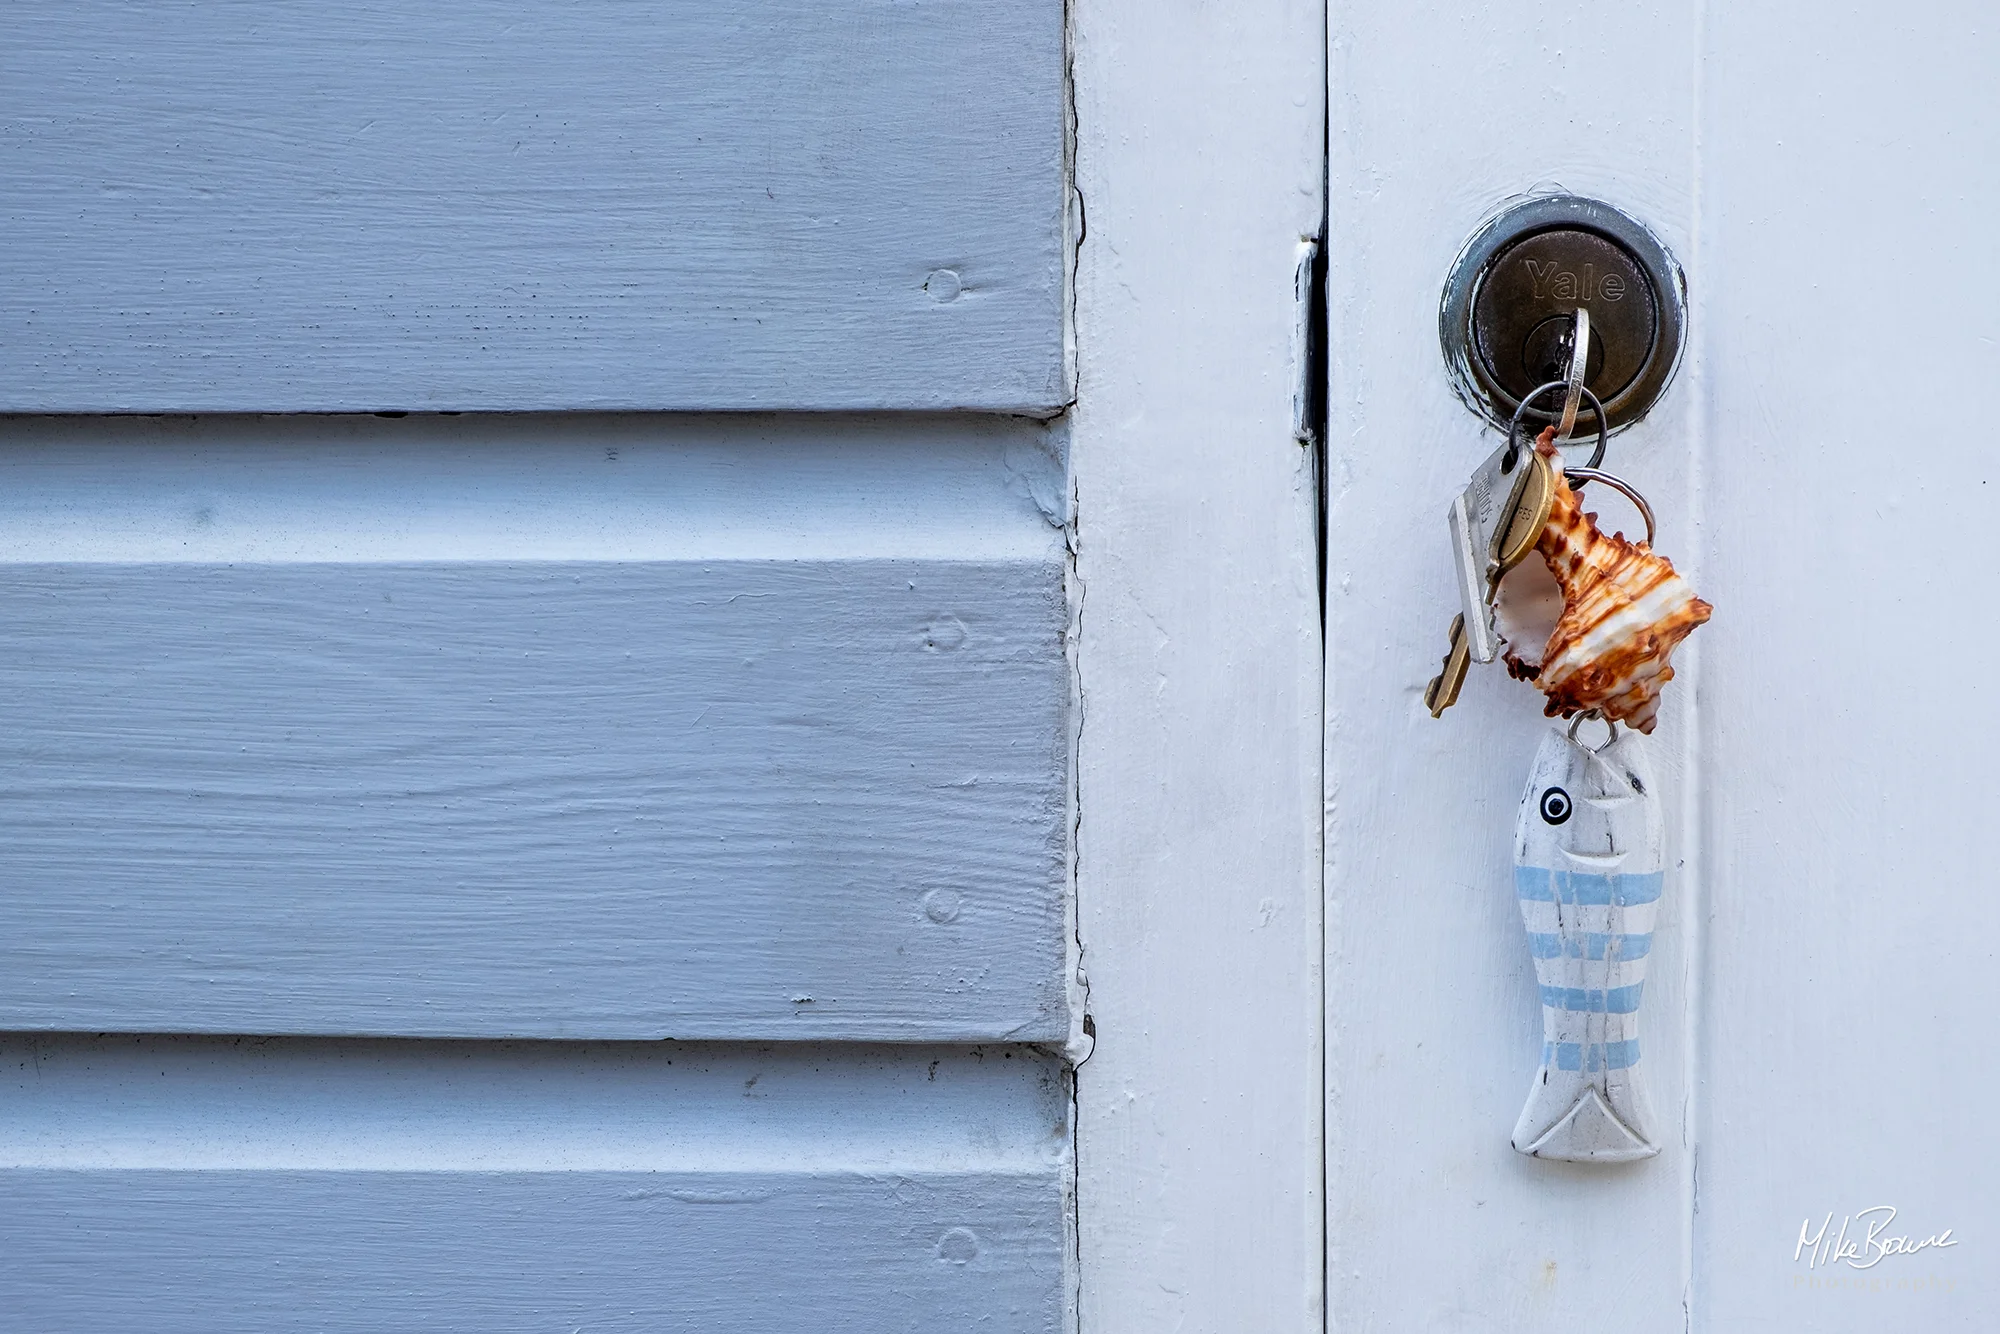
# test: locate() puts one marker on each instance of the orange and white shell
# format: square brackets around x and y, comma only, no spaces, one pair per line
[1624,610]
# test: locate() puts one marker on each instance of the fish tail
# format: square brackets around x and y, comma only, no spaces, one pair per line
[1591,936]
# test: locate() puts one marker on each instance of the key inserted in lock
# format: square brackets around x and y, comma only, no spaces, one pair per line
[1510,301]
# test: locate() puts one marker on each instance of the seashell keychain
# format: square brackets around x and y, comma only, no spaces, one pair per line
[1623,609]
[1595,632]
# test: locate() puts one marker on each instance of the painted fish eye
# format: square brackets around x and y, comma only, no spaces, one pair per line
[1555,805]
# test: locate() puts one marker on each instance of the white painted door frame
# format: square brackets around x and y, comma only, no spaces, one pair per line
[1199,165]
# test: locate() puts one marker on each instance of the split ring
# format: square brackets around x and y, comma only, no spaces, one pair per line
[1514,426]
[1620,485]
[1610,730]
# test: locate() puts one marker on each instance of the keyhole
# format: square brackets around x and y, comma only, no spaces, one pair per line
[1545,353]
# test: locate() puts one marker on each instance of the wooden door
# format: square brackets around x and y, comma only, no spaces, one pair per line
[537,764]
[1821,974]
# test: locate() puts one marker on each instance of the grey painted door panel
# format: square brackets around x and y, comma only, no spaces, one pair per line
[564,726]
[260,205]
[334,748]
[732,799]
[261,1186]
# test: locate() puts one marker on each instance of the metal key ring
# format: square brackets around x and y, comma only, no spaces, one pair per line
[1514,426]
[1620,485]
[1610,734]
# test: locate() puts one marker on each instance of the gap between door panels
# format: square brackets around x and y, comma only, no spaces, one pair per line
[132,1102]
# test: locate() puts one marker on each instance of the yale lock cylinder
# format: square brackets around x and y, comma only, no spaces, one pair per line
[1510,308]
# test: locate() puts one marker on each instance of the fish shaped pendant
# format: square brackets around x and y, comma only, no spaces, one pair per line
[1588,867]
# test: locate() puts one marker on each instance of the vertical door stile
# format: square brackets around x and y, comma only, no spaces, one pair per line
[1438,117]
[1199,163]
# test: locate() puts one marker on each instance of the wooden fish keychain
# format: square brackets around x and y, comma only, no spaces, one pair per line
[1589,846]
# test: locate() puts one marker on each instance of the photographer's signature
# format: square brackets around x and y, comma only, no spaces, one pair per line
[1862,1241]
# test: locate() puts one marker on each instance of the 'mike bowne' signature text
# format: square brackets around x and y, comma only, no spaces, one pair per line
[1870,1247]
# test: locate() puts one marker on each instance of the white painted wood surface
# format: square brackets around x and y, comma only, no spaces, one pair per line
[1439,115]
[499,205]
[1198,160]
[224,1185]
[558,727]
[1821,965]
[1849,981]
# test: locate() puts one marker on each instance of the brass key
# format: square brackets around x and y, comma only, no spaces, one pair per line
[1521,518]
[1442,692]
[1525,522]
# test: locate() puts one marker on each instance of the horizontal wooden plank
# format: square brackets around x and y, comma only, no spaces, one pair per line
[220,1186]
[490,1253]
[500,204]
[532,486]
[728,799]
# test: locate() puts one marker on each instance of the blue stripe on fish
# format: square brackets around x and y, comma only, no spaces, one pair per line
[1592,1056]
[1618,1000]
[1591,945]
[1533,882]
